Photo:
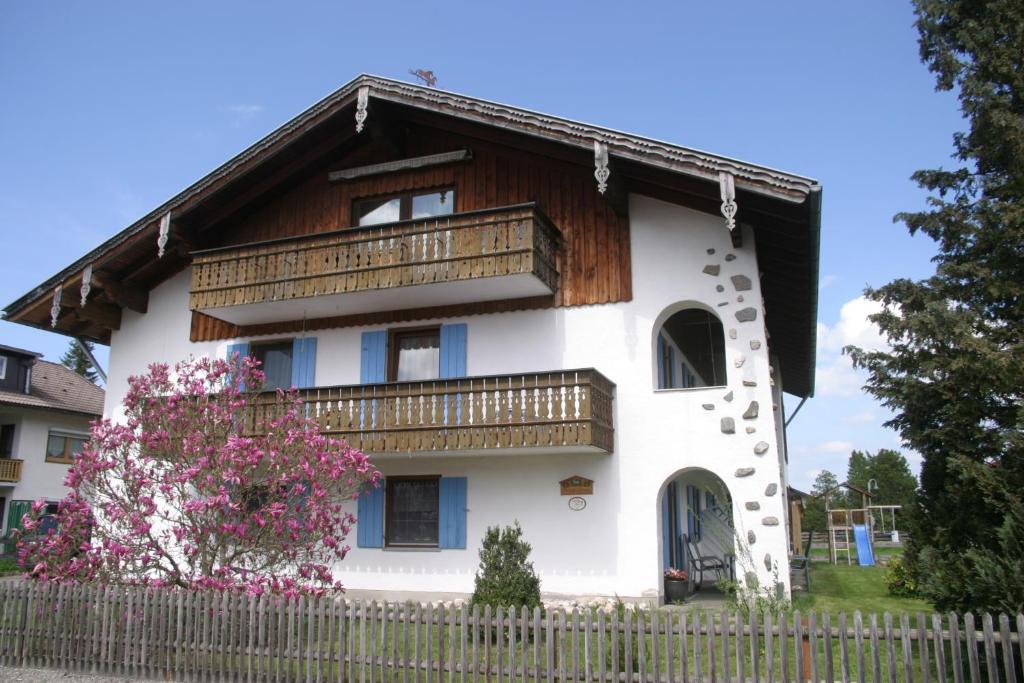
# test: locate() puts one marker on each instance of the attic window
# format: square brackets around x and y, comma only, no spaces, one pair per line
[405,206]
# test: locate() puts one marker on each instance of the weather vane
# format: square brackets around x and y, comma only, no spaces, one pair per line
[428,77]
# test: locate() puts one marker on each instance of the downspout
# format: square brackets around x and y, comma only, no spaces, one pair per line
[92,359]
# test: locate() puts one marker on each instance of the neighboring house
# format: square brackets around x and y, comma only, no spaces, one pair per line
[45,411]
[520,317]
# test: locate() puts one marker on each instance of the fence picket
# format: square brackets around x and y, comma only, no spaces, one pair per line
[939,648]
[907,647]
[971,640]
[990,649]
[725,646]
[798,640]
[1009,667]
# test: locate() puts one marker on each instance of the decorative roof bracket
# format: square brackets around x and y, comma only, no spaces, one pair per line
[362,100]
[727,185]
[601,172]
[165,233]
[55,307]
[86,284]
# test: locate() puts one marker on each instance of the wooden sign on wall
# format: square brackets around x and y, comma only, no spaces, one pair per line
[577,486]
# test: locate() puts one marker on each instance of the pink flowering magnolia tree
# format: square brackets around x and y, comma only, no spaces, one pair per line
[207,483]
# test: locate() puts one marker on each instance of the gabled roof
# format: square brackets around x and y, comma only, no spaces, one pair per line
[786,205]
[55,387]
[20,352]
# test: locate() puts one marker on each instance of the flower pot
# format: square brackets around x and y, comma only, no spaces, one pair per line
[675,590]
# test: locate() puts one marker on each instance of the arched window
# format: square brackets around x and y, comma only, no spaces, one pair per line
[691,351]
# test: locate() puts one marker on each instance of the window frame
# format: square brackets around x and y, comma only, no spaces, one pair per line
[389,500]
[10,428]
[396,333]
[254,345]
[405,203]
[67,458]
[3,367]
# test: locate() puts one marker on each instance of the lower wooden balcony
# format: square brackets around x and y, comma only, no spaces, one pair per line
[10,470]
[490,255]
[563,411]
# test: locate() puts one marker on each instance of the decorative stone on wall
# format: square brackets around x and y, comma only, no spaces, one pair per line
[755,344]
[712,269]
[746,315]
[761,448]
[744,471]
[708,406]
[751,412]
[770,521]
[728,425]
[771,490]
[768,561]
[730,257]
[728,397]
[753,505]
[751,538]
[741,283]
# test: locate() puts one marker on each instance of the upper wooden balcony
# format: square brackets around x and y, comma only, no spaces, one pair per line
[505,253]
[10,470]
[563,411]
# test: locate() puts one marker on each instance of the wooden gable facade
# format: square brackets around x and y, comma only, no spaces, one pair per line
[593,258]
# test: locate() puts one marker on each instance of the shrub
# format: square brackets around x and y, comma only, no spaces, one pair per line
[899,580]
[506,577]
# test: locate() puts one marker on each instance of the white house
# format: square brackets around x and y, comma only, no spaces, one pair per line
[45,411]
[519,316]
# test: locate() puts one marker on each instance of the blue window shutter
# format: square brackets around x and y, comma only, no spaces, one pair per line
[666,531]
[661,362]
[452,513]
[370,518]
[373,363]
[242,349]
[671,367]
[690,525]
[304,362]
[453,350]
[677,530]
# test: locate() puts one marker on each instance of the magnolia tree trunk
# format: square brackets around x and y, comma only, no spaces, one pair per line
[206,484]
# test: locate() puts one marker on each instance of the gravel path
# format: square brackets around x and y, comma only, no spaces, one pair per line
[8,673]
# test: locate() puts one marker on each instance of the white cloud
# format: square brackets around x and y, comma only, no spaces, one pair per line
[827,280]
[242,113]
[853,327]
[866,416]
[835,373]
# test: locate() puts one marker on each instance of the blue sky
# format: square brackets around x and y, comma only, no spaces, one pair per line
[111,108]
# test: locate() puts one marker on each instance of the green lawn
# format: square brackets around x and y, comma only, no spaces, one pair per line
[843,588]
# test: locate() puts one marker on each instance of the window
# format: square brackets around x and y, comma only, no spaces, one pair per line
[6,441]
[412,514]
[61,447]
[3,367]
[691,351]
[403,206]
[415,354]
[276,363]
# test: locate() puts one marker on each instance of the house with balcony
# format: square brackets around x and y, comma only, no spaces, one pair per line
[45,411]
[518,316]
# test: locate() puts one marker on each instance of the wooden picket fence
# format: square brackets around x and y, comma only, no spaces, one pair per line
[201,636]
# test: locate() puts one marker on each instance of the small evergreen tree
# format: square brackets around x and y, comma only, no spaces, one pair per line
[75,359]
[506,577]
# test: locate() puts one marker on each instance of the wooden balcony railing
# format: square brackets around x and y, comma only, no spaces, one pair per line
[569,409]
[10,469]
[513,240]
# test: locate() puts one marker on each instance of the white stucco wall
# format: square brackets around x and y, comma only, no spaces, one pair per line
[614,545]
[39,479]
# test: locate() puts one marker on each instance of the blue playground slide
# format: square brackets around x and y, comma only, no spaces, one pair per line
[865,555]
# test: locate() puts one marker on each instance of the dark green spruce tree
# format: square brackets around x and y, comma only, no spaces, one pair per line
[76,359]
[954,377]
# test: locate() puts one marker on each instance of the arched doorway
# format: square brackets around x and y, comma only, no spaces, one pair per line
[689,349]
[697,530]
